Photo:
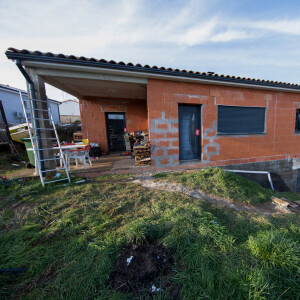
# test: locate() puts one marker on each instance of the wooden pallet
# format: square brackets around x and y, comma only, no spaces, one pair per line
[142,155]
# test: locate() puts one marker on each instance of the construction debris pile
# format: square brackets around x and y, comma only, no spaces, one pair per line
[286,204]
[142,154]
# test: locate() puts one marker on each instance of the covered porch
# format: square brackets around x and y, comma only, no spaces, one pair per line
[109,92]
[109,105]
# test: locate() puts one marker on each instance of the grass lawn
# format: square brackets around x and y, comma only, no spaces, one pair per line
[69,239]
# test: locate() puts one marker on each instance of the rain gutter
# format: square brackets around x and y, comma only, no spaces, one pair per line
[35,114]
[154,73]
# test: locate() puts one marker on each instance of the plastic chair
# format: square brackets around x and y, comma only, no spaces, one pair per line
[65,153]
[82,154]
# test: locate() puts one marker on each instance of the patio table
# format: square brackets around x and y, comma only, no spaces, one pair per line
[64,148]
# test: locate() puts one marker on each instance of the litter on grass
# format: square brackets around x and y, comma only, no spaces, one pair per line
[80,181]
[129,260]
[154,289]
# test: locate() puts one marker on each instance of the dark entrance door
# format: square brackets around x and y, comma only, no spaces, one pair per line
[189,132]
[115,125]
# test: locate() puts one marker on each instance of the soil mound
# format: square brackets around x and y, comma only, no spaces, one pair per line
[139,266]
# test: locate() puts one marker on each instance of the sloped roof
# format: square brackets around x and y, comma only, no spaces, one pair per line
[24,54]
[10,88]
[70,100]
[16,90]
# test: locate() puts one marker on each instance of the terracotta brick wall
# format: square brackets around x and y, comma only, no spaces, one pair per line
[92,112]
[279,142]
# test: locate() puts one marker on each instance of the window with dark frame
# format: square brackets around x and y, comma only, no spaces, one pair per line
[297,126]
[241,120]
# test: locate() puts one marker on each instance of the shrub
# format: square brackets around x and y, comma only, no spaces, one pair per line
[65,132]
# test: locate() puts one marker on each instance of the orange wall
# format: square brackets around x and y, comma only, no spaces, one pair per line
[279,142]
[92,112]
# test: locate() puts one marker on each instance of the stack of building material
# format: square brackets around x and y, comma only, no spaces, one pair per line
[127,142]
[288,205]
[142,155]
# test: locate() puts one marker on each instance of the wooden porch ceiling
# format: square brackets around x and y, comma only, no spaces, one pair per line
[81,88]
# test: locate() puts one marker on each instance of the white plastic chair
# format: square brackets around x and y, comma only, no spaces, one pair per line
[82,154]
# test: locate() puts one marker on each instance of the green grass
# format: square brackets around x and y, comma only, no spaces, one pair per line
[6,161]
[113,177]
[216,181]
[69,238]
[275,249]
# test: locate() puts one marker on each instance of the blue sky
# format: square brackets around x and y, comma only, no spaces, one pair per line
[258,39]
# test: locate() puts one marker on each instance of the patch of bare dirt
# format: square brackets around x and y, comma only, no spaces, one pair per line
[22,207]
[143,268]
[21,210]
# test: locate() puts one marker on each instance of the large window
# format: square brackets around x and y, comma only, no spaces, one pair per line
[241,120]
[297,126]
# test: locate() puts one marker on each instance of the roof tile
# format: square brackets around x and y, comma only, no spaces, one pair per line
[162,69]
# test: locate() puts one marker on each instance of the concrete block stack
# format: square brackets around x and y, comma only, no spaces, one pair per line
[127,143]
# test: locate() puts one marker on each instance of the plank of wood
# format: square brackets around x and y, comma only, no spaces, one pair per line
[141,147]
[291,203]
[280,201]
[285,202]
[145,159]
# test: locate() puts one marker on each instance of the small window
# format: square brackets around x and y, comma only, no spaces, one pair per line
[115,116]
[241,120]
[297,126]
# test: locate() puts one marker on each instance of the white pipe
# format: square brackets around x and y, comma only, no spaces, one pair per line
[254,172]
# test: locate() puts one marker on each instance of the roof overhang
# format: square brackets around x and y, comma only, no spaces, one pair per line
[83,82]
[79,77]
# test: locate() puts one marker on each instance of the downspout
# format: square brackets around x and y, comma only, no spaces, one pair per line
[35,115]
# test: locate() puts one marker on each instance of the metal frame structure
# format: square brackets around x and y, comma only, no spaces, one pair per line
[36,141]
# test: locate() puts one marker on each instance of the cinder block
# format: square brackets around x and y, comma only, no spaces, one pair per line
[164,161]
[162,126]
[175,143]
[172,151]
[159,152]
[163,143]
[154,135]
[170,135]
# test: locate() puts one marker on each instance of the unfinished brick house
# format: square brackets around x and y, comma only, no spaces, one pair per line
[194,119]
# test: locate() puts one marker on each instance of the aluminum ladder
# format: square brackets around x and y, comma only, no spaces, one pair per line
[36,139]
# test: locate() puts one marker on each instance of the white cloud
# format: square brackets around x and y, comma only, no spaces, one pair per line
[291,27]
[231,35]
[189,33]
[199,34]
